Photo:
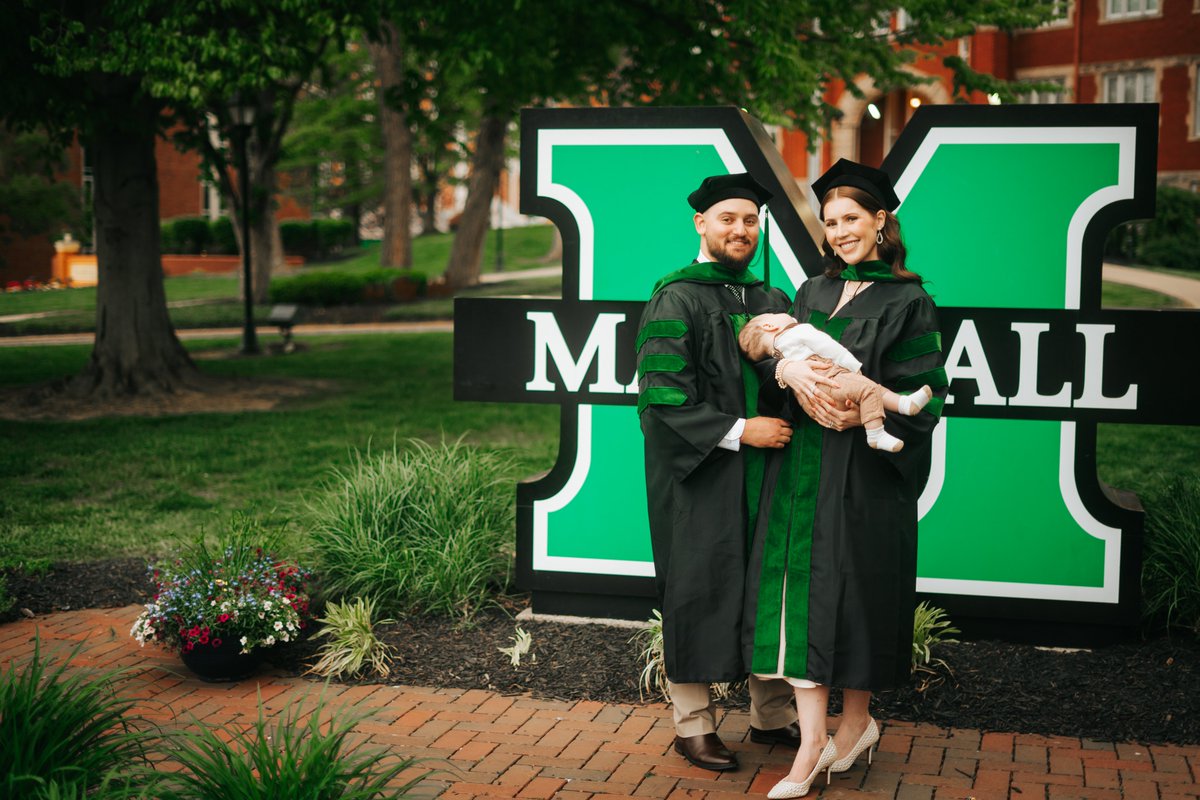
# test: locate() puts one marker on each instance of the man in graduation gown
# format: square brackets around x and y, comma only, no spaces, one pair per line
[704,458]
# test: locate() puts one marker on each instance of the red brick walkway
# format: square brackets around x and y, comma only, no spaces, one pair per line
[495,746]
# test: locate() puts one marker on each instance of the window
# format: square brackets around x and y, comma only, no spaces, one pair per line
[1047,96]
[1062,14]
[1135,86]
[1130,9]
[1196,100]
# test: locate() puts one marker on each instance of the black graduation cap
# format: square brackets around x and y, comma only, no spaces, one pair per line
[716,188]
[874,182]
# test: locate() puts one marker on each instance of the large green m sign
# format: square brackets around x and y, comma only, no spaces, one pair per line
[1005,212]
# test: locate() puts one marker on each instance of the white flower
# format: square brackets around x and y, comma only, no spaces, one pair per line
[270,640]
[243,641]
[262,615]
[286,600]
[267,605]
[278,625]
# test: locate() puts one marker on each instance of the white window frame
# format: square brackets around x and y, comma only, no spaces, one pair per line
[1131,9]
[1145,91]
[1064,16]
[1043,97]
[1195,127]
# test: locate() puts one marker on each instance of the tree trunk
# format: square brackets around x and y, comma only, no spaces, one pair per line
[397,152]
[429,213]
[136,350]
[266,243]
[486,163]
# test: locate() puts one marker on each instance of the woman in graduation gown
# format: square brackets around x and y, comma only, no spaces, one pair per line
[831,584]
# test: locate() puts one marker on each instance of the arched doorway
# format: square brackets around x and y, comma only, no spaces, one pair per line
[870,126]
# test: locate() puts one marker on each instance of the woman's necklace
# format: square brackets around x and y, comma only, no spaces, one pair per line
[849,293]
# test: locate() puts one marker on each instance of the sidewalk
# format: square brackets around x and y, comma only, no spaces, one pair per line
[1184,289]
[265,332]
[495,746]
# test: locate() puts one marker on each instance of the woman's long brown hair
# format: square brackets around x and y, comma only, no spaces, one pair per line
[892,251]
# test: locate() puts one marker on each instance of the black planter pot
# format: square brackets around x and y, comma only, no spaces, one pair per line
[221,664]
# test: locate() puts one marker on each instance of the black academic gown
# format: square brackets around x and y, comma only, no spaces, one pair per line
[693,387]
[835,547]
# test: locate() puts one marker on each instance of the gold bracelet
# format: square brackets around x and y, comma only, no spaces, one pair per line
[779,373]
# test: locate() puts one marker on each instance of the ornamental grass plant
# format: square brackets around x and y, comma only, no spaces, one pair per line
[66,734]
[238,590]
[298,756]
[429,528]
[1171,555]
[351,642]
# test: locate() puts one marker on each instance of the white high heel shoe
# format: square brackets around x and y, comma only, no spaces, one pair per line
[785,788]
[865,742]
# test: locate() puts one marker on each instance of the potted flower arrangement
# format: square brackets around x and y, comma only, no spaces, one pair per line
[219,607]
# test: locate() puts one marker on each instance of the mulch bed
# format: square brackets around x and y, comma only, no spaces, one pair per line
[1147,692]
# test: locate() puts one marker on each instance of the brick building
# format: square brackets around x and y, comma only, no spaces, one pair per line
[181,192]
[1097,51]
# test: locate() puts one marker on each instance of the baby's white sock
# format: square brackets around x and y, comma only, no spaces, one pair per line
[911,404]
[880,439]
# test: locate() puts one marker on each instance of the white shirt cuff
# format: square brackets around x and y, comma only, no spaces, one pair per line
[733,439]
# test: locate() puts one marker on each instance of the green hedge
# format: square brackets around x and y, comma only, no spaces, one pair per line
[330,288]
[1171,239]
[317,239]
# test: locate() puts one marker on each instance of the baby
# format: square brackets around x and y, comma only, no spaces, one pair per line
[783,337]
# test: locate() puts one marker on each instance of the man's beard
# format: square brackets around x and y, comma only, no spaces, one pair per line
[731,263]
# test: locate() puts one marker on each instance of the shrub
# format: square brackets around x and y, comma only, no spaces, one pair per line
[299,238]
[1171,554]
[6,599]
[333,236]
[352,640]
[319,289]
[653,678]
[185,235]
[1170,239]
[430,528]
[1177,253]
[63,735]
[317,239]
[931,627]
[297,757]
[222,239]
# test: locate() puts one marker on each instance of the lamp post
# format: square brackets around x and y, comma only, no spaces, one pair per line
[500,233]
[241,112]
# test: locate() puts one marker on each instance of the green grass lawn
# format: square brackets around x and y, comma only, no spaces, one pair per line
[90,489]
[1118,295]
[97,488]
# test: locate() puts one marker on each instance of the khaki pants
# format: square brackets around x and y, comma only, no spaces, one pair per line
[864,392]
[695,715]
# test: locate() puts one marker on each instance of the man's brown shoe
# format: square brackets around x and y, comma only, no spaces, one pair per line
[788,735]
[706,751]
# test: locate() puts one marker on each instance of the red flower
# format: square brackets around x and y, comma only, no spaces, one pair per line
[223,618]
[216,642]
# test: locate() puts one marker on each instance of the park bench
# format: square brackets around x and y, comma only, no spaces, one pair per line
[284,317]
